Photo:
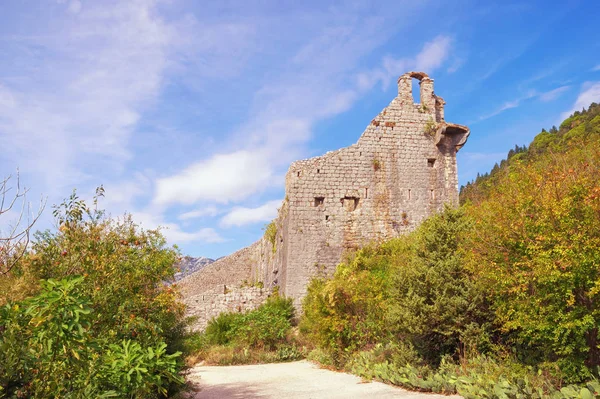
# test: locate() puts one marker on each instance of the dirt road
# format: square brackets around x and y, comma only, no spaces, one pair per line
[290,381]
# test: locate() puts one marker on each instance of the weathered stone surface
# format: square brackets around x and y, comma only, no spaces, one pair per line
[401,170]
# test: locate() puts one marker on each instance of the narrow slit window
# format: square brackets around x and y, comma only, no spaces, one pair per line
[298,174]
[319,201]
[366,193]
[409,193]
[432,194]
[326,217]
[431,162]
[318,170]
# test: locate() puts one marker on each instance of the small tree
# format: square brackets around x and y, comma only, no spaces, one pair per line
[14,242]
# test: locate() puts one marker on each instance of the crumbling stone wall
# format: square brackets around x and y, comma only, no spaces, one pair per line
[401,170]
[221,298]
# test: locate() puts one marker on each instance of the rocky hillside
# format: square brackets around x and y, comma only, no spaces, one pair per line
[189,265]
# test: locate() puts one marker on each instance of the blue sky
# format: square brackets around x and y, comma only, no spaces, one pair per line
[189,112]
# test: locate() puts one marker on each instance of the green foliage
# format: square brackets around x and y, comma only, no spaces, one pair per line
[573,132]
[346,313]
[260,335]
[271,234]
[430,128]
[436,304]
[537,233]
[138,372]
[263,327]
[376,164]
[413,288]
[48,349]
[219,330]
[94,285]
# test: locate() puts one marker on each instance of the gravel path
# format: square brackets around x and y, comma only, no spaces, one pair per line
[290,381]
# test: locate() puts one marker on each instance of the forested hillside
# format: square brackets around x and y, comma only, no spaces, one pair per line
[581,128]
[497,299]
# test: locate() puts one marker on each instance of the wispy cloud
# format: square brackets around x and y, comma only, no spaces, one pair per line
[240,216]
[590,92]
[289,108]
[173,232]
[69,113]
[431,57]
[596,68]
[544,97]
[553,94]
[504,107]
[199,213]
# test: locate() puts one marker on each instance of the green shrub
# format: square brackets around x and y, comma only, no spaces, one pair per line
[94,283]
[219,330]
[436,304]
[265,326]
[257,336]
[48,349]
[347,312]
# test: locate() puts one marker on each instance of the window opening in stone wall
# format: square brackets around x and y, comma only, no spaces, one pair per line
[318,170]
[326,217]
[416,90]
[431,162]
[298,174]
[432,194]
[350,203]
[409,193]
[319,201]
[366,193]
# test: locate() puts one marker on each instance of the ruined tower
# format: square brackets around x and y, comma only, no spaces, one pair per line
[401,170]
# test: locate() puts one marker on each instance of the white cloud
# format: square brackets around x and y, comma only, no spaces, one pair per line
[173,232]
[223,178]
[553,94]
[199,213]
[506,106]
[544,97]
[429,59]
[434,53]
[455,65]
[283,123]
[240,216]
[596,68]
[72,108]
[590,92]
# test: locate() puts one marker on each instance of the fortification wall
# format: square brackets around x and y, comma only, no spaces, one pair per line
[229,284]
[221,298]
[401,170]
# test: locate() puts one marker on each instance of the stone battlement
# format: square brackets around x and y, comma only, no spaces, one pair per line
[401,170]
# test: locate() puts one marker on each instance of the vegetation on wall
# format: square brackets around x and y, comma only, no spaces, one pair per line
[271,234]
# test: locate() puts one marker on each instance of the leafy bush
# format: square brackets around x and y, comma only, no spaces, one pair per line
[436,304]
[411,290]
[48,349]
[537,236]
[93,286]
[347,313]
[219,330]
[257,336]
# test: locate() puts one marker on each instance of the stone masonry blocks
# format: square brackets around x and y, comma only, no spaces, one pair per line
[401,170]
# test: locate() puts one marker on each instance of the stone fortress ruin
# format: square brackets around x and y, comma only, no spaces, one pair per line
[401,170]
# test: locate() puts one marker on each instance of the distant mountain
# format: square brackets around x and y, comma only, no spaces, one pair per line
[189,265]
